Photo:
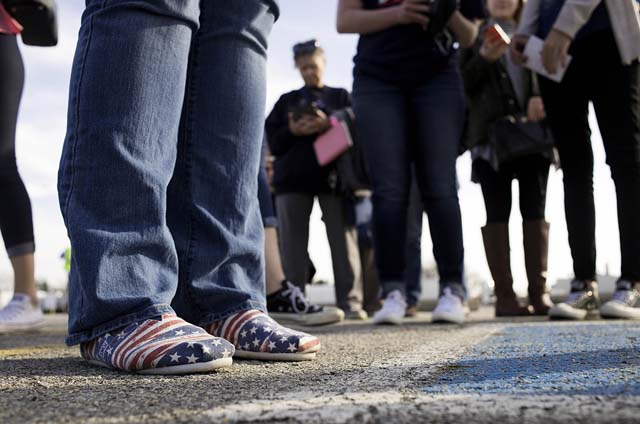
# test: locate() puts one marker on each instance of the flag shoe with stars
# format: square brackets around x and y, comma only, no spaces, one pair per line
[162,345]
[255,335]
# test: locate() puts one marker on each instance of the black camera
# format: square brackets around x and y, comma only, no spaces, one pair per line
[441,11]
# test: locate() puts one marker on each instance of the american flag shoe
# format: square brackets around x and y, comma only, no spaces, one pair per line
[168,345]
[255,335]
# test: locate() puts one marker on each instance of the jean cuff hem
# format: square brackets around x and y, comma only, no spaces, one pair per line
[456,288]
[389,286]
[123,321]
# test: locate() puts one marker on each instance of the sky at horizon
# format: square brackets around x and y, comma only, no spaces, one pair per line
[42,124]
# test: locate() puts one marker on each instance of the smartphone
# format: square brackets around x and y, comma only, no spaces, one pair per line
[496,33]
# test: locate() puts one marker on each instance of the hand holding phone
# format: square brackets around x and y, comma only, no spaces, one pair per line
[495,43]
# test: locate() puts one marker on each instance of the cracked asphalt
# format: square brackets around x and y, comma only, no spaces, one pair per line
[487,371]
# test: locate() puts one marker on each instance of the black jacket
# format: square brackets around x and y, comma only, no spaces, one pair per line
[296,169]
[490,93]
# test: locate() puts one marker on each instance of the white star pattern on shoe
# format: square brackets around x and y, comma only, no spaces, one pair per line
[245,346]
[216,342]
[175,357]
[278,333]
[243,334]
[225,353]
[253,330]
[256,342]
[206,350]
[267,329]
[272,345]
[189,344]
[291,348]
[284,339]
[179,332]
[192,359]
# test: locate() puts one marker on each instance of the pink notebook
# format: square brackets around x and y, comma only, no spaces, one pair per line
[8,25]
[332,143]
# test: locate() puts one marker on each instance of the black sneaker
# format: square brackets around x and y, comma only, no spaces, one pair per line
[289,305]
[582,301]
[625,302]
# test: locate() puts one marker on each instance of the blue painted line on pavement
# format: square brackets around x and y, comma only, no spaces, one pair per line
[560,359]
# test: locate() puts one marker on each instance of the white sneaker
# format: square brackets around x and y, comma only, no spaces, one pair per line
[450,309]
[20,314]
[393,309]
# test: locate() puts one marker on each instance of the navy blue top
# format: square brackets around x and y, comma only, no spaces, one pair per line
[550,9]
[405,54]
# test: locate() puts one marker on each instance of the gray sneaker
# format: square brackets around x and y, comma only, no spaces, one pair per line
[625,303]
[582,301]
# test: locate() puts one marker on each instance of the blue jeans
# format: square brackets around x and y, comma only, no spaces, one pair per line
[413,268]
[421,126]
[158,176]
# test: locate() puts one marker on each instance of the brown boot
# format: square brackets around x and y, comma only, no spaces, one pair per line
[536,250]
[496,246]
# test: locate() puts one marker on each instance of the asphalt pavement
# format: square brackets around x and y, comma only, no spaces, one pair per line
[487,370]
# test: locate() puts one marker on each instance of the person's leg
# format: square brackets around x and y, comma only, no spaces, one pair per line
[16,222]
[616,100]
[438,111]
[345,257]
[533,173]
[496,190]
[385,141]
[294,210]
[124,111]
[566,105]
[617,105]
[383,126]
[413,271]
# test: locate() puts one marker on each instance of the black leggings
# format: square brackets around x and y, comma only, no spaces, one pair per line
[532,173]
[16,222]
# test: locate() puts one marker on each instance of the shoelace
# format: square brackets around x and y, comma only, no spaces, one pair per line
[622,296]
[295,296]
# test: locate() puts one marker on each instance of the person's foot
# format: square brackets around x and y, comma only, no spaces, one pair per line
[356,315]
[583,300]
[162,345]
[393,309]
[290,305]
[256,335]
[20,315]
[450,308]
[411,311]
[625,303]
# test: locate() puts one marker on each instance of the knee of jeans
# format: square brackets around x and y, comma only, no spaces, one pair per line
[435,190]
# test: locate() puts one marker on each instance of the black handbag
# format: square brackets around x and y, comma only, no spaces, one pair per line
[38,18]
[514,137]
[351,166]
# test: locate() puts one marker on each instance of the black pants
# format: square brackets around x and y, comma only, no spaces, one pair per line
[596,74]
[532,173]
[15,208]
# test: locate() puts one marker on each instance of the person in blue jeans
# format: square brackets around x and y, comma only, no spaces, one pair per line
[158,187]
[409,104]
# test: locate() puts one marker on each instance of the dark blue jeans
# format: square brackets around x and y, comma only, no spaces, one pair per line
[159,170]
[421,126]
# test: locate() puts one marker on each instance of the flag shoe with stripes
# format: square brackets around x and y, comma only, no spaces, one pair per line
[163,345]
[255,335]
